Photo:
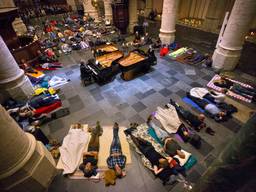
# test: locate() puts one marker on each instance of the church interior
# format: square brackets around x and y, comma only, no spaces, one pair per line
[127,95]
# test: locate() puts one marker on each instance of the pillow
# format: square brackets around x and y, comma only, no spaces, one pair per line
[183,161]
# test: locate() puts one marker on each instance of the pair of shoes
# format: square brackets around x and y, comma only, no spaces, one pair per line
[209,131]
[129,131]
[171,102]
[134,125]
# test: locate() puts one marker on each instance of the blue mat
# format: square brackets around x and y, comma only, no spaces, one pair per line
[190,163]
[152,133]
[193,104]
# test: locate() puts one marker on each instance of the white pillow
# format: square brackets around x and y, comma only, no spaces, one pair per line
[183,161]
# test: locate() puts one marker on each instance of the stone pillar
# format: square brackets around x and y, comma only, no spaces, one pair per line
[13,81]
[90,9]
[133,17]
[228,51]
[167,31]
[234,168]
[149,7]
[25,164]
[213,15]
[108,10]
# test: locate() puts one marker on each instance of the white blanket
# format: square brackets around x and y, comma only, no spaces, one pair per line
[168,118]
[72,148]
[56,82]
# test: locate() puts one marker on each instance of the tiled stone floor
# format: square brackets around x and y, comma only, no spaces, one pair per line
[133,101]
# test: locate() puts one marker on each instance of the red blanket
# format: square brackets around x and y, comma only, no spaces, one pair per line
[47,109]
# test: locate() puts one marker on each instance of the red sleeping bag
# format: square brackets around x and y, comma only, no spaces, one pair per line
[47,109]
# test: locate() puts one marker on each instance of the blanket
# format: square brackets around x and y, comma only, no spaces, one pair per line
[168,118]
[142,133]
[229,93]
[56,82]
[72,148]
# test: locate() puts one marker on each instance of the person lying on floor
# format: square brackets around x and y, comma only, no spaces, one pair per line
[116,159]
[43,58]
[26,67]
[246,92]
[42,100]
[170,146]
[196,121]
[214,97]
[90,158]
[204,93]
[211,109]
[162,167]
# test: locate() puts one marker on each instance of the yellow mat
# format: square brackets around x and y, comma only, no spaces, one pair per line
[105,142]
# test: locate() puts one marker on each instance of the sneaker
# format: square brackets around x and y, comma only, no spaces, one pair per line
[209,131]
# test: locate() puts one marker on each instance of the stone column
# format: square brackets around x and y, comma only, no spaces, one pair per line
[213,15]
[133,17]
[108,10]
[89,9]
[167,31]
[13,81]
[149,7]
[228,51]
[25,164]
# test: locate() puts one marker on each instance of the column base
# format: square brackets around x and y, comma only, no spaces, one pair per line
[20,89]
[109,17]
[35,175]
[167,37]
[224,59]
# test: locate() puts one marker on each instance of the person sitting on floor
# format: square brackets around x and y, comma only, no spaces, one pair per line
[116,159]
[90,158]
[171,147]
[209,108]
[197,122]
[43,58]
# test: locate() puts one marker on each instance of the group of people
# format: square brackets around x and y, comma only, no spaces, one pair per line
[116,160]
[226,84]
